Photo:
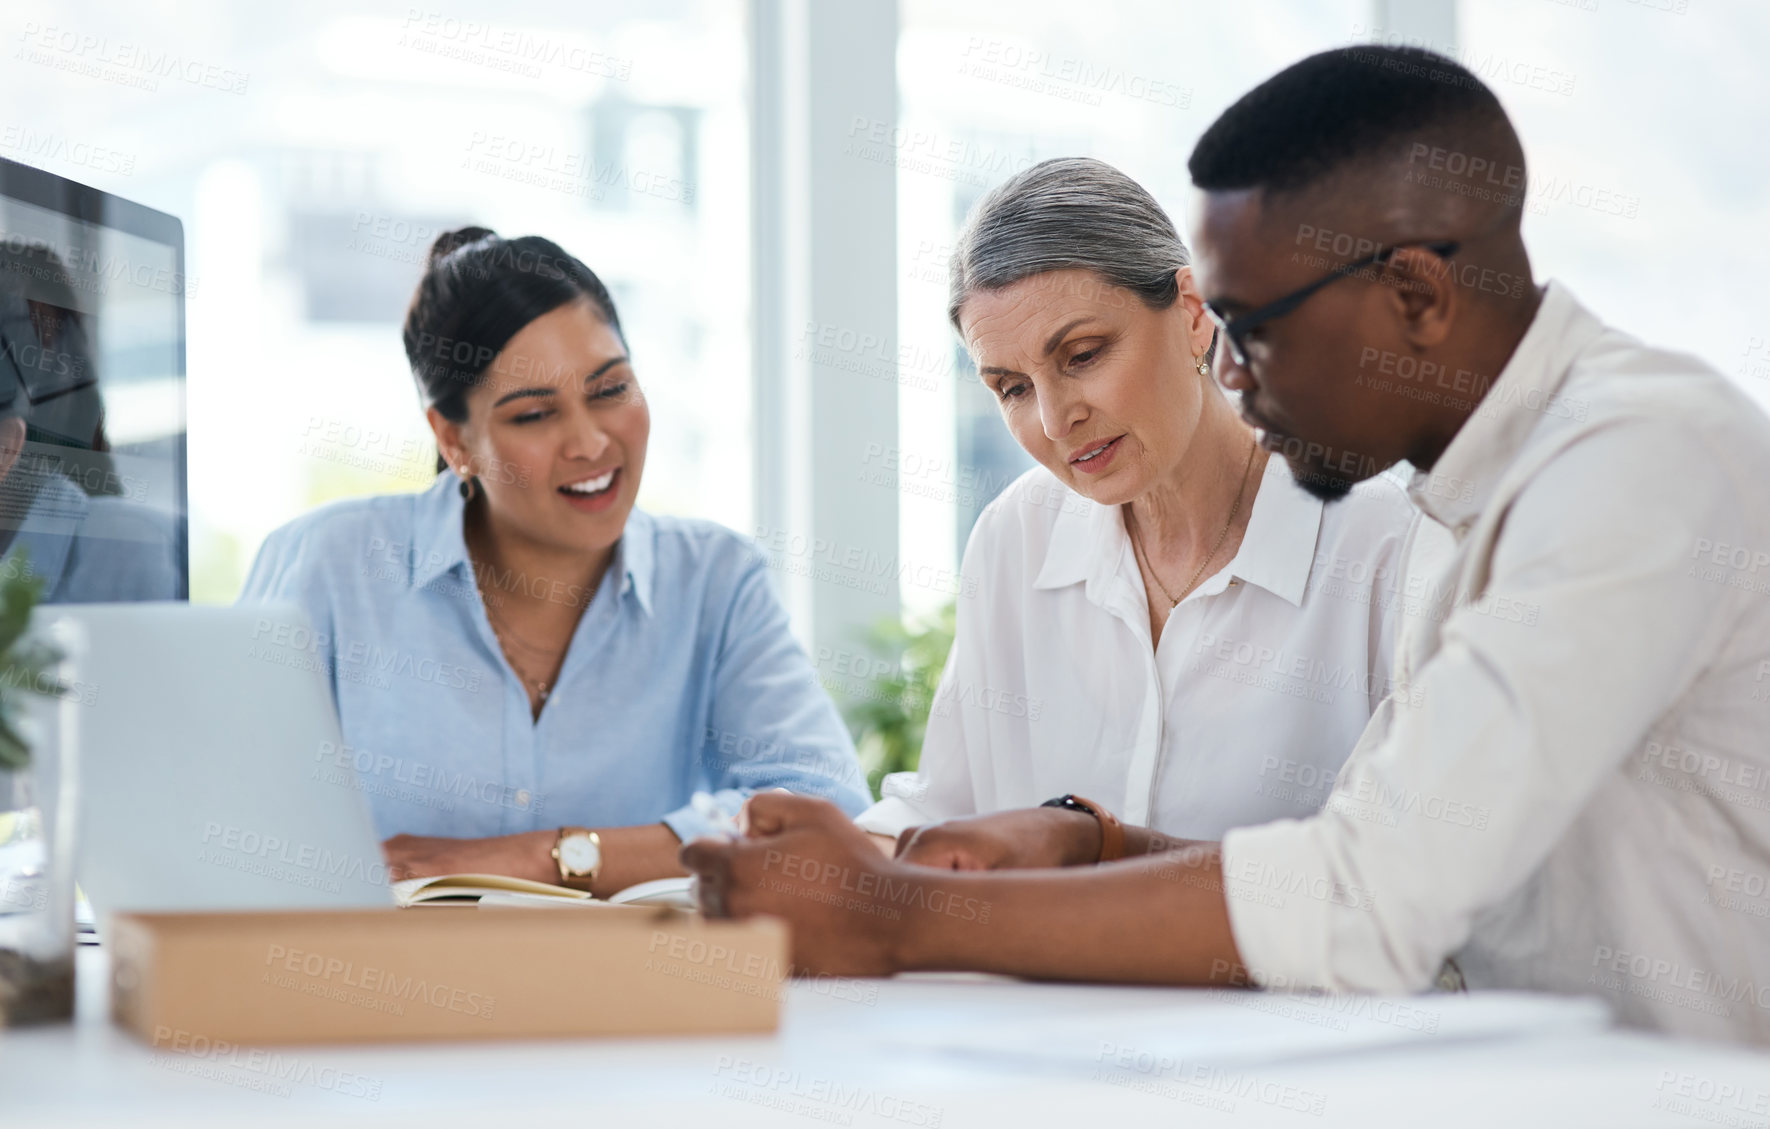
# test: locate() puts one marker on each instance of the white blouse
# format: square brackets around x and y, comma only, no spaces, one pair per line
[1264,677]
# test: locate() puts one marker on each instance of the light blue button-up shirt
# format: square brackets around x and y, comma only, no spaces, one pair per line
[682,676]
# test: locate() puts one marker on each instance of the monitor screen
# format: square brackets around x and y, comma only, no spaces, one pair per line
[92,419]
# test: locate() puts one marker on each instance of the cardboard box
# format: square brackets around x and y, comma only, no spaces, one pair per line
[373,975]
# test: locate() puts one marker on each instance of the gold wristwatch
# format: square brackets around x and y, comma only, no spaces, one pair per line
[577,851]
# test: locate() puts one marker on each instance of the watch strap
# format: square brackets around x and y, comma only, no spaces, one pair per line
[1112,832]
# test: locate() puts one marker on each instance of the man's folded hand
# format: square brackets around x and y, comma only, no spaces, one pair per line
[803,860]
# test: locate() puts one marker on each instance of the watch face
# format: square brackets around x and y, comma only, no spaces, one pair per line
[579,853]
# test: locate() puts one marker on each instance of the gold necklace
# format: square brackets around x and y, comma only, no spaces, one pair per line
[505,633]
[500,627]
[528,680]
[1234,511]
[499,622]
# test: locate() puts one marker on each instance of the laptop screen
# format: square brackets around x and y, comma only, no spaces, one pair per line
[92,410]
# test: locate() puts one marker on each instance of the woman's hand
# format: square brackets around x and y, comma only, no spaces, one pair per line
[528,855]
[1009,840]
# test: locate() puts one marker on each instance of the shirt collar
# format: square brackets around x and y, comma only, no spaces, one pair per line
[637,557]
[1459,485]
[1279,547]
[1089,543]
[439,542]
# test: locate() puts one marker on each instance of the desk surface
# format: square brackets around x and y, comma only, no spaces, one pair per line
[841,1058]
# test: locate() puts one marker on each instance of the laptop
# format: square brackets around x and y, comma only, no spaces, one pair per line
[207,743]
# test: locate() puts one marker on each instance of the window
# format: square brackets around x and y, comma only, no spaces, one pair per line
[990,88]
[314,152]
[1646,185]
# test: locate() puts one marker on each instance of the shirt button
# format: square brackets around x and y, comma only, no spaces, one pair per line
[522,797]
[1234,581]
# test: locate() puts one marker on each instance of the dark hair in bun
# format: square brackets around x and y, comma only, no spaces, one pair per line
[478,291]
[449,240]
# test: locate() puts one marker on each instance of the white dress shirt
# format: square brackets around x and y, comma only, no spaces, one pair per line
[1576,796]
[1264,677]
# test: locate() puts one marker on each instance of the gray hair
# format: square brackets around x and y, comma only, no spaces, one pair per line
[1064,214]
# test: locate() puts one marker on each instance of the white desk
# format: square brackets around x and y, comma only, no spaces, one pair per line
[842,1071]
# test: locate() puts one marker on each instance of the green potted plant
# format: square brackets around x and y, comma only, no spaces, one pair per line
[36,872]
[888,714]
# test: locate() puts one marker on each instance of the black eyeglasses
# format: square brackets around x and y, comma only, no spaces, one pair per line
[1234,330]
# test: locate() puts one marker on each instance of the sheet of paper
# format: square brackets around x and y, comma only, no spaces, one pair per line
[674,892]
[515,899]
[1237,1028]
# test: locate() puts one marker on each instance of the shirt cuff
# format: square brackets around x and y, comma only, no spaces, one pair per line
[890,816]
[690,824]
[1279,891]
[897,810]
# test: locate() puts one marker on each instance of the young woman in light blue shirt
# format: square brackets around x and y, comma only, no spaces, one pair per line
[533,676]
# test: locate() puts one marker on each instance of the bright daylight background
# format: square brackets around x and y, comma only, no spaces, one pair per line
[364,128]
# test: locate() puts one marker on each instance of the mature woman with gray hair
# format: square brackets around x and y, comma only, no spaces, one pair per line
[1161,625]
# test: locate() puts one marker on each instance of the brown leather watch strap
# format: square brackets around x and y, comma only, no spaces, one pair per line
[1112,832]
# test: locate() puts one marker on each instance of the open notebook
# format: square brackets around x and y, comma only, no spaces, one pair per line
[458,889]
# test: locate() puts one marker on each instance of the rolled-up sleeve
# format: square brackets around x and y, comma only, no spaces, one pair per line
[770,723]
[1590,627]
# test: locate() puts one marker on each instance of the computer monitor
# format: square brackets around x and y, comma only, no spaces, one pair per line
[93,495]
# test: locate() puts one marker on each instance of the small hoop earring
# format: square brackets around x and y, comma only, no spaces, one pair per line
[469,484]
